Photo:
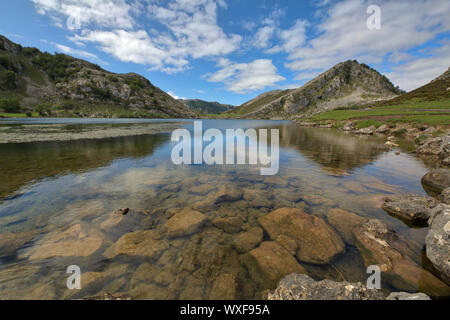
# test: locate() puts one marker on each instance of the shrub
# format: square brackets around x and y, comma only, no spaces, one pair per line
[10,79]
[4,61]
[10,105]
[43,108]
[399,132]
[2,46]
[29,114]
[30,51]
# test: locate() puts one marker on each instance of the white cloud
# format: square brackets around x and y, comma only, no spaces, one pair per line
[343,34]
[79,53]
[246,77]
[103,13]
[189,29]
[173,95]
[418,72]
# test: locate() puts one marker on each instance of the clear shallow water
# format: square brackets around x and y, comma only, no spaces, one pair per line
[50,187]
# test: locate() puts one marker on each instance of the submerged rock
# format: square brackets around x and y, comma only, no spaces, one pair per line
[408,296]
[268,263]
[10,242]
[438,242]
[413,209]
[344,222]
[229,224]
[435,181]
[224,288]
[78,240]
[382,247]
[317,242]
[184,223]
[303,287]
[248,240]
[138,243]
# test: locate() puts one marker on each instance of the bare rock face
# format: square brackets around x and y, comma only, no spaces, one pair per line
[138,243]
[268,263]
[438,241]
[248,240]
[413,209]
[435,181]
[303,287]
[185,223]
[78,240]
[408,296]
[317,242]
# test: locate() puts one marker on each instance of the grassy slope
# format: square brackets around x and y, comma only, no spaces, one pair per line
[415,111]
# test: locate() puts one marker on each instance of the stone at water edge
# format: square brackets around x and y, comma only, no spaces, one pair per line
[184,223]
[435,181]
[303,287]
[437,242]
[382,247]
[317,242]
[382,129]
[414,209]
[445,196]
[408,296]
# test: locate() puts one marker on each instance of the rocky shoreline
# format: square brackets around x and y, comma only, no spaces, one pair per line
[381,245]
[428,140]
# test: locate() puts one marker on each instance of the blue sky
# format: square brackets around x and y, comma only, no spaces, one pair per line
[229,50]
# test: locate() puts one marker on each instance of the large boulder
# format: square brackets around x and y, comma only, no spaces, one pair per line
[435,181]
[268,263]
[414,209]
[303,287]
[138,243]
[184,223]
[317,242]
[438,242]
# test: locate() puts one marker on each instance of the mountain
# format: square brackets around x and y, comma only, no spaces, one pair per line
[346,84]
[61,85]
[206,107]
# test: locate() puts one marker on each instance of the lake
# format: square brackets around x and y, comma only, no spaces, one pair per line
[56,191]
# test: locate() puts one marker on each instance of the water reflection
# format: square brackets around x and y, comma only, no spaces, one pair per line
[23,163]
[71,218]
